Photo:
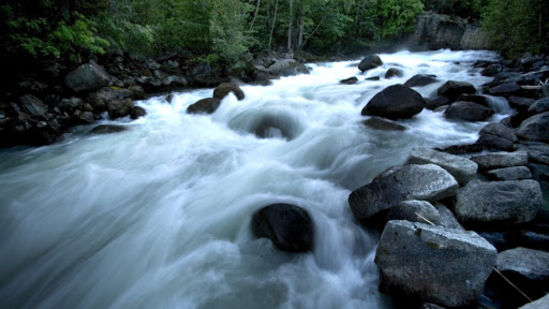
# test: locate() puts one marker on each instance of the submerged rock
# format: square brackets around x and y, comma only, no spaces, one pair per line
[393,72]
[349,81]
[107,129]
[453,89]
[383,124]
[204,106]
[419,80]
[223,90]
[369,62]
[395,102]
[461,168]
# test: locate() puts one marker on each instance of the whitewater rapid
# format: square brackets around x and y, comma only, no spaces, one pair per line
[158,216]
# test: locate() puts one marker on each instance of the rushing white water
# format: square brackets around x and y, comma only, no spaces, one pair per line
[158,216]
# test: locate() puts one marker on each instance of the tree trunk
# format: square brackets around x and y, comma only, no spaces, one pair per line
[290,26]
[255,14]
[273,25]
[300,33]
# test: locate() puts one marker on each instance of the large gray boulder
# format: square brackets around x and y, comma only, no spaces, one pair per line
[461,168]
[395,102]
[498,202]
[409,182]
[286,67]
[414,211]
[87,77]
[537,152]
[510,173]
[444,266]
[468,111]
[497,136]
[535,128]
[369,62]
[500,159]
[540,106]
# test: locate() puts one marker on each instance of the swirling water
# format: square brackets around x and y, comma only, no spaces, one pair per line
[158,216]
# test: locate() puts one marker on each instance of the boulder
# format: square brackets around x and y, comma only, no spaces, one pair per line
[204,106]
[432,263]
[541,303]
[453,89]
[383,124]
[535,128]
[500,159]
[409,182]
[510,173]
[537,152]
[70,105]
[468,111]
[289,227]
[475,98]
[521,104]
[87,77]
[492,69]
[414,211]
[447,218]
[137,112]
[393,72]
[287,67]
[461,168]
[462,149]
[82,118]
[349,81]
[437,102]
[497,136]
[498,202]
[419,80]
[223,90]
[119,108]
[539,106]
[107,129]
[505,89]
[33,105]
[369,62]
[395,102]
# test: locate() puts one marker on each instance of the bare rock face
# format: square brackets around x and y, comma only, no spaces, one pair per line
[434,264]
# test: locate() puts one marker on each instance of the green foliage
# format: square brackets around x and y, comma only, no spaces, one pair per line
[462,8]
[397,16]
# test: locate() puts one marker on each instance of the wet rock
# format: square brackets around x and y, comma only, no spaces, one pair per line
[539,106]
[541,303]
[107,129]
[119,108]
[69,105]
[224,89]
[101,98]
[535,128]
[475,98]
[395,102]
[383,124]
[468,111]
[500,159]
[434,264]
[461,168]
[453,89]
[204,106]
[275,126]
[394,72]
[138,93]
[349,81]
[437,102]
[287,67]
[138,112]
[532,239]
[369,62]
[33,105]
[289,227]
[506,89]
[537,152]
[373,78]
[87,77]
[409,182]
[420,80]
[414,211]
[521,104]
[174,81]
[510,173]
[498,202]
[492,69]
[83,117]
[497,136]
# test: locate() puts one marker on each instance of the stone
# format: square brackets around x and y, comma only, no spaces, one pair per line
[204,106]
[535,128]
[420,80]
[468,111]
[434,264]
[414,211]
[453,89]
[541,303]
[539,106]
[138,112]
[500,159]
[521,104]
[107,129]
[373,78]
[224,89]
[349,81]
[510,173]
[383,124]
[475,98]
[369,62]
[87,77]
[289,227]
[492,69]
[175,80]
[409,182]
[461,168]
[84,117]
[505,89]
[537,152]
[497,136]
[33,105]
[447,218]
[498,202]
[119,108]
[437,102]
[394,72]
[287,67]
[395,102]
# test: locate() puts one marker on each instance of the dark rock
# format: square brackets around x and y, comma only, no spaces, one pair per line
[395,102]
[349,81]
[468,111]
[521,104]
[287,67]
[119,108]
[462,149]
[175,81]
[383,124]
[430,306]
[83,117]
[169,98]
[394,72]
[537,152]
[434,264]
[369,62]
[419,80]
[101,98]
[107,129]
[497,239]
[410,182]
[510,173]
[498,202]
[505,89]
[204,106]
[437,102]
[529,239]
[461,168]
[500,159]
[87,77]
[475,98]
[373,78]
[289,227]
[138,93]
[274,125]
[71,104]
[223,90]
[137,112]
[497,136]
[492,69]
[414,211]
[453,89]
[33,105]
[535,128]
[540,106]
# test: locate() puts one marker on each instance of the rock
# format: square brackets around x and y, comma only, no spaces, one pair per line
[33,105]
[223,90]
[535,128]
[530,239]
[409,182]
[453,89]
[430,306]
[498,202]
[107,129]
[119,108]
[539,106]
[505,89]
[289,227]
[138,93]
[497,136]
[414,211]
[369,62]
[510,173]
[541,303]
[447,218]
[175,80]
[87,77]
[395,102]
[204,106]
[137,112]
[437,102]
[349,81]
[287,67]
[521,104]
[383,124]
[475,98]
[434,264]
[420,80]
[492,69]
[393,72]
[101,98]
[373,78]
[83,117]
[71,104]
[500,159]
[461,168]
[537,152]
[468,111]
